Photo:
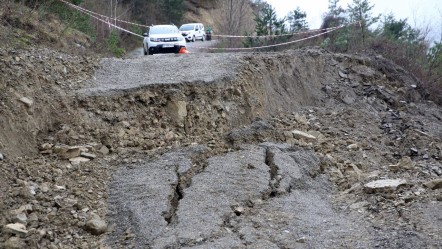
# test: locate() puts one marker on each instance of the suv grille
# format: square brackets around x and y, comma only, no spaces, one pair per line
[174,39]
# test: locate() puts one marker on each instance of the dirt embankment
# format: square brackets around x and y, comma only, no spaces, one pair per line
[351,119]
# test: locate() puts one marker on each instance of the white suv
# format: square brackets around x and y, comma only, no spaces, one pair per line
[193,31]
[163,39]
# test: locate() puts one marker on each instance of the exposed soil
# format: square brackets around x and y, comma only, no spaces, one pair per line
[263,150]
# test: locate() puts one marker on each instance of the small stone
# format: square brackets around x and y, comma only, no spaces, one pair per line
[384,185]
[44,187]
[238,211]
[33,217]
[46,146]
[439,198]
[434,184]
[393,167]
[14,243]
[88,155]
[1,157]
[67,152]
[104,150]
[79,160]
[28,102]
[25,208]
[177,111]
[169,136]
[301,119]
[60,188]
[353,147]
[125,124]
[16,228]
[359,205]
[343,75]
[404,163]
[301,240]
[302,135]
[96,225]
[414,151]
[21,218]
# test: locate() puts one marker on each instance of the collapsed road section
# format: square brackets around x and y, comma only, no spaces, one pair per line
[236,202]
[303,149]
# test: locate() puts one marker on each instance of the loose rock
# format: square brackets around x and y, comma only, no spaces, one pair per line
[384,185]
[28,102]
[88,155]
[404,163]
[353,147]
[96,225]
[21,218]
[343,75]
[79,160]
[302,135]
[16,228]
[239,211]
[104,150]
[14,243]
[68,153]
[434,184]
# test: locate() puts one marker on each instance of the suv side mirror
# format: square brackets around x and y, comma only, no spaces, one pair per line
[146,34]
[196,29]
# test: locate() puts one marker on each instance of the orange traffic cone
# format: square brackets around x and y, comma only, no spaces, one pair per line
[183,50]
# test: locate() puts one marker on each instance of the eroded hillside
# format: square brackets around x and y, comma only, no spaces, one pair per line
[268,150]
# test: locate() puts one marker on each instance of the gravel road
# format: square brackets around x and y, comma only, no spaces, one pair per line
[192,47]
[124,74]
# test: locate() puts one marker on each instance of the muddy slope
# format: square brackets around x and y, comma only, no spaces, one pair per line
[170,151]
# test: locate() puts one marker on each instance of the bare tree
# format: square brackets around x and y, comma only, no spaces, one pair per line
[235,18]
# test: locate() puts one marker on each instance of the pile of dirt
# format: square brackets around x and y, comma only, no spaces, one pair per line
[232,142]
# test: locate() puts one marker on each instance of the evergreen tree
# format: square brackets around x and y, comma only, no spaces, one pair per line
[334,9]
[297,20]
[360,11]
[267,22]
[173,11]
[394,29]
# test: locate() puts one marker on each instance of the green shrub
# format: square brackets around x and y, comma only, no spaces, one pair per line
[113,44]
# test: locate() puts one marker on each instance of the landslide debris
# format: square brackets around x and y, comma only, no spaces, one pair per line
[260,150]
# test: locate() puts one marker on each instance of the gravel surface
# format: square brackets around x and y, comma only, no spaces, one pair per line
[125,74]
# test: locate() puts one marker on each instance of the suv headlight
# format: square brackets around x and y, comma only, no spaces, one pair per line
[154,39]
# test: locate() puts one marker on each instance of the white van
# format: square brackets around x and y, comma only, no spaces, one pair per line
[193,31]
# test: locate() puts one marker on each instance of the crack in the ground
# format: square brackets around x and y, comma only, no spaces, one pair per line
[275,178]
[170,216]
[184,180]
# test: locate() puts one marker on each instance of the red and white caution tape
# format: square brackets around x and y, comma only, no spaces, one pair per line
[107,21]
[270,36]
[100,15]
[279,44]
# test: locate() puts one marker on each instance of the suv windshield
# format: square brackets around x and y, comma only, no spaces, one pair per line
[187,27]
[157,30]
